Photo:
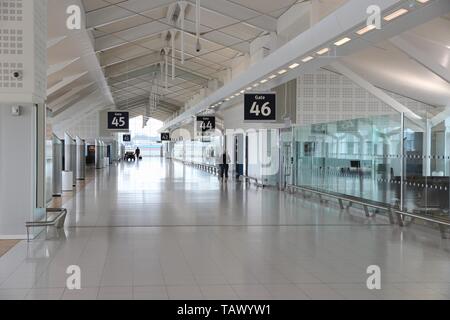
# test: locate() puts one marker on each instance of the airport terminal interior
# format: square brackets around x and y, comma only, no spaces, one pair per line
[225,149]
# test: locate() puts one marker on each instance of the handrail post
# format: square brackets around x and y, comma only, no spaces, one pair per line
[402,159]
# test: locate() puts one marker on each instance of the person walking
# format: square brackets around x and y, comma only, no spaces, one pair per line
[224,165]
[138,153]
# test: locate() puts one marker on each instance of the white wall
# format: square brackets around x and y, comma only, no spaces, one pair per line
[17,171]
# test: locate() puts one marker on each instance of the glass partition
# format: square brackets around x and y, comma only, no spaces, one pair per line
[197,151]
[364,158]
[355,157]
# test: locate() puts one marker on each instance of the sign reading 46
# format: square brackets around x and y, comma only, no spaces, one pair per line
[260,107]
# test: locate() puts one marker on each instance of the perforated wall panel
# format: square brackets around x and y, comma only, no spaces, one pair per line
[23,49]
[325,97]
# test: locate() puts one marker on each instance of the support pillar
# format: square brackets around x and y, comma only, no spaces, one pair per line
[22,118]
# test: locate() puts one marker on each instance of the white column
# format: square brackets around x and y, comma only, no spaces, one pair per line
[22,134]
[427,150]
[447,147]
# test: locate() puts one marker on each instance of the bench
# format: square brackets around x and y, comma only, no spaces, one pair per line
[55,217]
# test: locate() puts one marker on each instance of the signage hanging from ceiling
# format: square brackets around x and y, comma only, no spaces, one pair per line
[118,120]
[206,123]
[127,138]
[165,136]
[260,107]
[347,126]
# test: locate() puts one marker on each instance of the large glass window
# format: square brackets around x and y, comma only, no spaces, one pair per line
[364,158]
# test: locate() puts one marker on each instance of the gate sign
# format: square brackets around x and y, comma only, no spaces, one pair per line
[165,136]
[319,128]
[127,138]
[347,126]
[206,123]
[118,120]
[260,107]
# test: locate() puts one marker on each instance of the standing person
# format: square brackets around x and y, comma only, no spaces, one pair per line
[224,164]
[138,153]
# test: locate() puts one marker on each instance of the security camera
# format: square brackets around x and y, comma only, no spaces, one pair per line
[198,47]
[17,75]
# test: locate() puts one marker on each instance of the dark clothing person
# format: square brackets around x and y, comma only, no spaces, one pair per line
[224,172]
[223,161]
[138,153]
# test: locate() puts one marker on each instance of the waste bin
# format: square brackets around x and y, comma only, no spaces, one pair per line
[67,181]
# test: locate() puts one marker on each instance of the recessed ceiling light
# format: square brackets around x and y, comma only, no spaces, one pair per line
[264,81]
[395,14]
[255,85]
[423,1]
[238,94]
[309,58]
[249,88]
[242,91]
[366,29]
[293,66]
[448,47]
[282,71]
[273,76]
[342,41]
[232,97]
[323,51]
[227,99]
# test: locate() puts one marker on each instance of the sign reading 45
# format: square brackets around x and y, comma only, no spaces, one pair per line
[260,107]
[118,120]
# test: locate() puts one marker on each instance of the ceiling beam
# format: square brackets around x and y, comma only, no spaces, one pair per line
[74,99]
[127,9]
[378,93]
[153,28]
[241,13]
[65,82]
[345,20]
[59,101]
[123,10]
[406,43]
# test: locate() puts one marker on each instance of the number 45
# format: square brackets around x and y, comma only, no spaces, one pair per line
[265,110]
[118,121]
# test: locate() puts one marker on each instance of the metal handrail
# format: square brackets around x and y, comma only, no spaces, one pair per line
[257,183]
[389,208]
[57,221]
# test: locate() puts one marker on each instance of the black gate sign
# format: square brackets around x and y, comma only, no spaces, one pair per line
[260,107]
[165,136]
[206,123]
[127,138]
[118,120]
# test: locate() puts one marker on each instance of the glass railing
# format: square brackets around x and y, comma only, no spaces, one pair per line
[366,158]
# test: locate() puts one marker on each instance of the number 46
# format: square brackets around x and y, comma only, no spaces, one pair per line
[265,110]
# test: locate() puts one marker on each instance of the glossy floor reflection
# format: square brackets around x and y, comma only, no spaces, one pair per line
[160,230]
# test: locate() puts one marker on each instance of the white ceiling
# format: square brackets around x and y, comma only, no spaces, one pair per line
[120,58]
[386,66]
[129,38]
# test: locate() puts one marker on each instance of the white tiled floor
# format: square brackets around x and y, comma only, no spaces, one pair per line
[158,230]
